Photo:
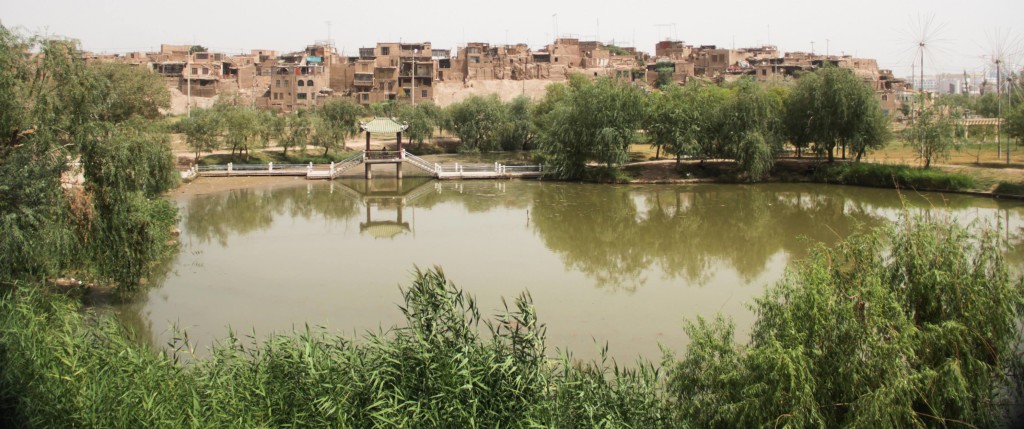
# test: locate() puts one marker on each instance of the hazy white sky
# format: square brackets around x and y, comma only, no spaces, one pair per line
[961,31]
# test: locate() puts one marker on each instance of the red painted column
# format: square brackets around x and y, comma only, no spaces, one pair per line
[367,140]
[399,141]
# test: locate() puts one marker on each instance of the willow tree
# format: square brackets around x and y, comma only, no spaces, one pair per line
[241,127]
[833,108]
[342,118]
[54,108]
[422,119]
[933,134]
[202,131]
[130,91]
[476,121]
[751,130]
[1014,123]
[593,121]
[685,121]
[913,326]
[518,132]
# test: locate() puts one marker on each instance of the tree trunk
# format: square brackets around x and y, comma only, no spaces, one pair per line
[657,154]
[798,152]
[844,150]
[831,157]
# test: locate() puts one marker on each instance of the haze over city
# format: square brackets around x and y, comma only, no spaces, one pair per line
[959,36]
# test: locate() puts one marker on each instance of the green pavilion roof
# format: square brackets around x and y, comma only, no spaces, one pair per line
[384,229]
[383,125]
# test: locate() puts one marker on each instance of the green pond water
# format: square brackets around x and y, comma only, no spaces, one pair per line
[622,265]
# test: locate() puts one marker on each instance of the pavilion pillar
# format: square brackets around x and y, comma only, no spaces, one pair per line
[367,140]
[398,169]
[399,141]
[369,171]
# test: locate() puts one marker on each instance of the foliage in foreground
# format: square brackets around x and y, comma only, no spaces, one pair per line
[65,368]
[892,176]
[913,327]
[103,221]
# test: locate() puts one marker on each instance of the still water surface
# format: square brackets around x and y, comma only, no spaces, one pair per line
[618,264]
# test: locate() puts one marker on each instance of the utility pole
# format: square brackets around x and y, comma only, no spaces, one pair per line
[554,23]
[999,110]
[922,67]
[812,47]
[414,51]
[188,68]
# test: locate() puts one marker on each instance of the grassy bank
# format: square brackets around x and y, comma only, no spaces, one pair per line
[892,176]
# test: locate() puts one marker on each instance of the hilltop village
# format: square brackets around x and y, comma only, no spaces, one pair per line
[417,72]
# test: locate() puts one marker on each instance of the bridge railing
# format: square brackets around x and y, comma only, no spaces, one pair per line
[466,168]
[419,162]
[384,154]
[522,168]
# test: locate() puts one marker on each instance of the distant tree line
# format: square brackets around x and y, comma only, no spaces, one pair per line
[829,113]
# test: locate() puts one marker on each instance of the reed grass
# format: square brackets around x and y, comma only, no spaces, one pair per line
[446,367]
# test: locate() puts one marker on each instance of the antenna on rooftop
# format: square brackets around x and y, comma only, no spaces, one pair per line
[660,26]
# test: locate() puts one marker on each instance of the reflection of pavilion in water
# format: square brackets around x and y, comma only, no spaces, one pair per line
[385,202]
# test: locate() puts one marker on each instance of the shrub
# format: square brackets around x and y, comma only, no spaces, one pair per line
[892,176]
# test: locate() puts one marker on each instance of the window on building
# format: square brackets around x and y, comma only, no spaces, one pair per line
[424,94]
[300,96]
[278,83]
[195,70]
[206,70]
[301,83]
[385,51]
[365,96]
[885,97]
[764,72]
[309,82]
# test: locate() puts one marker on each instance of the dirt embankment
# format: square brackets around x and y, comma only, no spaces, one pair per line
[446,93]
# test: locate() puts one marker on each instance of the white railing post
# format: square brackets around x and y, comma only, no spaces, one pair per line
[270,167]
[332,169]
[309,168]
[497,169]
[230,166]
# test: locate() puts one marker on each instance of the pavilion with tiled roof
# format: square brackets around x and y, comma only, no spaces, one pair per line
[383,156]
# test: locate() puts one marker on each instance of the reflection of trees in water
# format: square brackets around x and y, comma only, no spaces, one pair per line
[614,234]
[243,211]
[479,196]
